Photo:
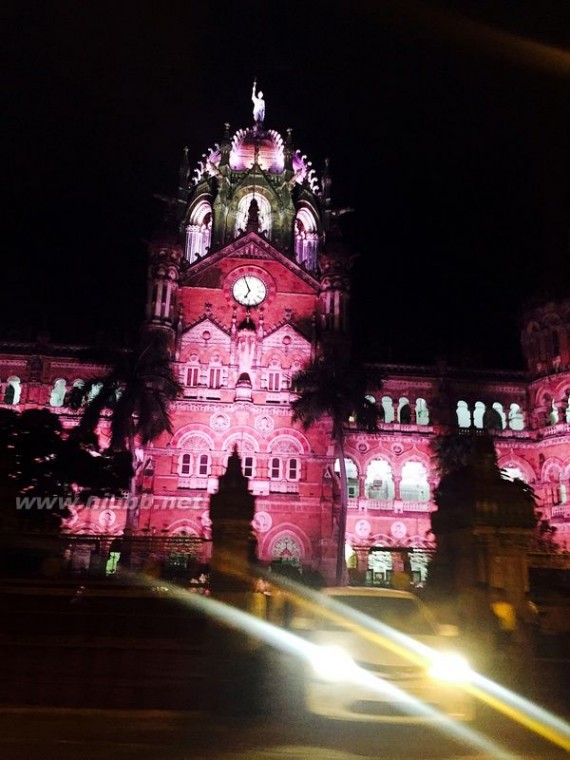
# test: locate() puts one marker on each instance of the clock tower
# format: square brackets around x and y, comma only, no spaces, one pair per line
[256,287]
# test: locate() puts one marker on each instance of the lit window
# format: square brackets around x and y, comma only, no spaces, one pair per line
[463,415]
[57,395]
[478,414]
[13,391]
[379,483]
[414,485]
[351,476]
[516,419]
[422,412]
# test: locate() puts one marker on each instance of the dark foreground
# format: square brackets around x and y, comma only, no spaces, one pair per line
[116,735]
[70,663]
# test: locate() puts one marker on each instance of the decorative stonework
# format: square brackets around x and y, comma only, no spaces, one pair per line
[219,422]
[262,522]
[398,529]
[362,528]
[107,518]
[264,424]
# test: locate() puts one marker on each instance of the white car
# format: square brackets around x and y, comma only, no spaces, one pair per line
[381,656]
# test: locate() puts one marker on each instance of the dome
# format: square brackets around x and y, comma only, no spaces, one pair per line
[268,146]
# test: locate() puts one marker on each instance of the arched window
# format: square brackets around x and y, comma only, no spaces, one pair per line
[404,411]
[388,408]
[463,415]
[553,413]
[306,239]
[199,232]
[293,469]
[185,464]
[264,213]
[57,396]
[512,473]
[379,483]
[351,476]
[478,414]
[13,391]
[516,419]
[194,459]
[501,412]
[414,485]
[422,412]
[248,465]
[275,468]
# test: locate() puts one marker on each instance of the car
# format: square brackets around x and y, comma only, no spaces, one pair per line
[380,655]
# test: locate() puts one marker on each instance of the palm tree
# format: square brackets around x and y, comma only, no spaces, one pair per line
[137,390]
[338,389]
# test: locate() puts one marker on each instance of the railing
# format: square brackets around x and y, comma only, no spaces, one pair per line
[284,487]
[194,483]
[389,505]
[563,512]
[561,428]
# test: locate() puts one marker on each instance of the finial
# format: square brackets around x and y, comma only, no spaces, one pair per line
[226,131]
[289,140]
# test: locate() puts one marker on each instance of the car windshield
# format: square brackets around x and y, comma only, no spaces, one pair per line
[405,615]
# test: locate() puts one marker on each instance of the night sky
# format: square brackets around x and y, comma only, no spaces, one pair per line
[446,124]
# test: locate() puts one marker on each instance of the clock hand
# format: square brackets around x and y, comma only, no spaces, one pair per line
[247,283]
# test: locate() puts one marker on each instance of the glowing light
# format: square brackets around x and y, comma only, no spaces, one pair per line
[450,667]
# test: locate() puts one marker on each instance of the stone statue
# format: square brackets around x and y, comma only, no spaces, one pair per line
[258,104]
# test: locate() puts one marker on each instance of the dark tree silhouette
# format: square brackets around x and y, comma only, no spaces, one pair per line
[338,389]
[137,392]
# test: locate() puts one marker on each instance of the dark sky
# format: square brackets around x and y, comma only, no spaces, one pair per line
[446,124]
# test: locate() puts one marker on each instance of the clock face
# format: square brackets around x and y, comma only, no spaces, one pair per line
[249,290]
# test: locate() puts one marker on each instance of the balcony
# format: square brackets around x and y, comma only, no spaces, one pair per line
[561,513]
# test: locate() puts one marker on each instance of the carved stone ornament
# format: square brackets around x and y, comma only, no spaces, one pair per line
[398,529]
[262,522]
[264,424]
[362,528]
[219,422]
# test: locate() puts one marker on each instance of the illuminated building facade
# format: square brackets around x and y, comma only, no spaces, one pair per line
[247,285]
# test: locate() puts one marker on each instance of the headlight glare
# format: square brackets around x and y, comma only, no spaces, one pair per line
[450,667]
[333,664]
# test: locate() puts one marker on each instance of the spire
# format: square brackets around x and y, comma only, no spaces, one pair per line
[184,177]
[326,183]
[225,146]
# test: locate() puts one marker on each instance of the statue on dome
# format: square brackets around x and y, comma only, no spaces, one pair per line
[258,104]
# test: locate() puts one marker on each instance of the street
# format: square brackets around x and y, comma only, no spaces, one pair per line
[64,734]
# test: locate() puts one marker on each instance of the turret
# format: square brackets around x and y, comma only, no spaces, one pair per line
[334,293]
[545,337]
[162,308]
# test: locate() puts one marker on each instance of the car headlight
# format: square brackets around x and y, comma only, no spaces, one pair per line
[333,664]
[450,667]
